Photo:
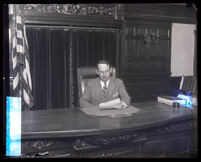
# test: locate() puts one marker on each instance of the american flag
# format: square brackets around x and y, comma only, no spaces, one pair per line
[22,84]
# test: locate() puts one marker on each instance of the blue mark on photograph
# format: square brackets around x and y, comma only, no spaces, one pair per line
[13,126]
[186,99]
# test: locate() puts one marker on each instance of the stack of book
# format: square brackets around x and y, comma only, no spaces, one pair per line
[168,100]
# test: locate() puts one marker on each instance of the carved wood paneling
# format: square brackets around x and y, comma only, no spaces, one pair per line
[146,61]
[148,48]
[74,9]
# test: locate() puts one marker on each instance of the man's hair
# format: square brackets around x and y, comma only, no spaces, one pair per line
[102,62]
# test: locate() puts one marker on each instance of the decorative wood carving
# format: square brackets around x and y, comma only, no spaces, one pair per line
[110,140]
[42,145]
[94,142]
[151,38]
[38,144]
[74,9]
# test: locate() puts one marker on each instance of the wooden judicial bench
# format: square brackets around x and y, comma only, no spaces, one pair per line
[157,130]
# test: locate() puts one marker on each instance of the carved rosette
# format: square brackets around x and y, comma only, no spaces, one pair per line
[38,145]
[74,9]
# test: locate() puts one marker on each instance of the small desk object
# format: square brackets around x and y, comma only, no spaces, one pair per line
[157,130]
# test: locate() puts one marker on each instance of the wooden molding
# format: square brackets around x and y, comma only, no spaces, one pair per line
[73,9]
[179,13]
[73,14]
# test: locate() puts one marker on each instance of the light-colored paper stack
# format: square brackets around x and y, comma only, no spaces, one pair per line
[110,104]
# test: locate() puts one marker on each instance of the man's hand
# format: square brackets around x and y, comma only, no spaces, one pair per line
[117,106]
[120,105]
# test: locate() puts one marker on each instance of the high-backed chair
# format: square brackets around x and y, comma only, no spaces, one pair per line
[188,83]
[86,73]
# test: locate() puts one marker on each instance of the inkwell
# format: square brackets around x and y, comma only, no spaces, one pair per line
[175,105]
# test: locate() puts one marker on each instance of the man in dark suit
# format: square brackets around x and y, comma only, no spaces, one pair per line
[104,88]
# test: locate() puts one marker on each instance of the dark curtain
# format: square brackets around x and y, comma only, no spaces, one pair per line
[88,47]
[59,69]
[49,67]
[39,65]
[55,54]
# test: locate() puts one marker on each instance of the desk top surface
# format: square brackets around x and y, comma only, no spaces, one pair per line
[73,122]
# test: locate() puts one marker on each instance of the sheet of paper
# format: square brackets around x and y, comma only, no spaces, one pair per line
[110,104]
[95,111]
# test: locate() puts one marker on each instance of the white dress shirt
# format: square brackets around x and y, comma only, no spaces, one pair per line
[102,83]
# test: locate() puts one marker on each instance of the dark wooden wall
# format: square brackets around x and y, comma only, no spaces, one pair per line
[146,59]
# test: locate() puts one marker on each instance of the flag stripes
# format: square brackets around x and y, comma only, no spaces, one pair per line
[22,85]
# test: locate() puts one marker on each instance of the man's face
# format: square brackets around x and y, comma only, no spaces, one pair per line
[104,72]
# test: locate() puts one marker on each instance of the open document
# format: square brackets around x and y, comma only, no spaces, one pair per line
[109,104]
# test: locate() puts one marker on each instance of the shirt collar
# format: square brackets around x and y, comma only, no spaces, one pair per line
[102,83]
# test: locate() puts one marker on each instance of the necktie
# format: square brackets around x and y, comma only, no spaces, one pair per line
[105,87]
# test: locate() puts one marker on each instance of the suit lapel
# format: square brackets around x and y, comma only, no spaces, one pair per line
[111,85]
[99,89]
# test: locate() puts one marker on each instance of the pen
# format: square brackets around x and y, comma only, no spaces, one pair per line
[120,115]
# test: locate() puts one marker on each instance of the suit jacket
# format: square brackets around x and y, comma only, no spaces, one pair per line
[94,95]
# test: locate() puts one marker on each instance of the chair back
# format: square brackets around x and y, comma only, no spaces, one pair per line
[84,74]
[189,83]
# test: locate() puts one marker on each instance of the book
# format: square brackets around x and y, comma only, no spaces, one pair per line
[168,100]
